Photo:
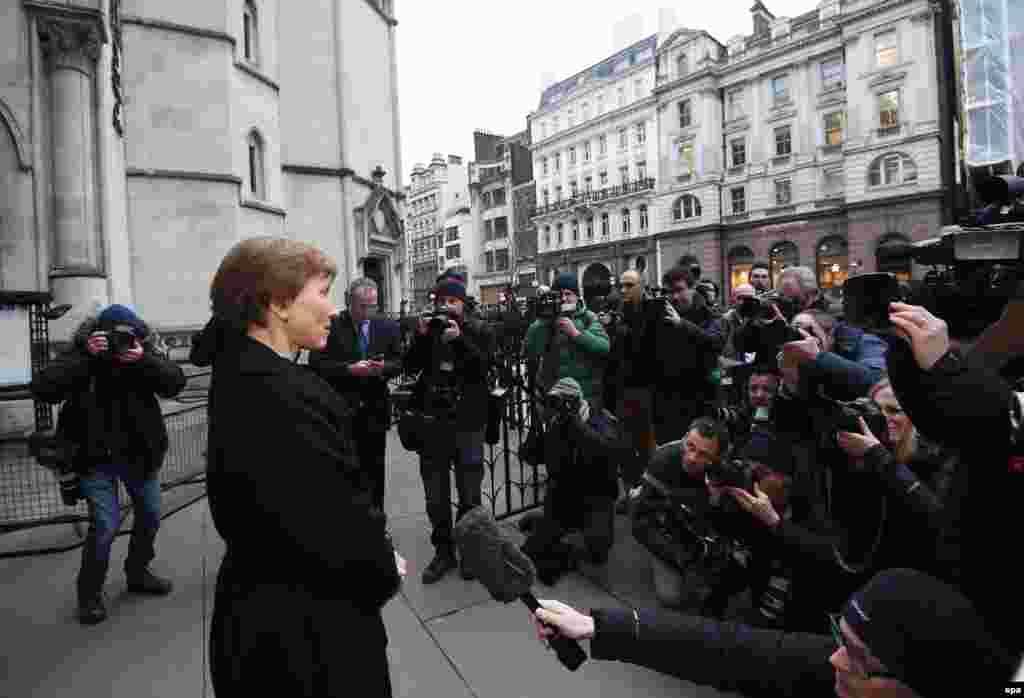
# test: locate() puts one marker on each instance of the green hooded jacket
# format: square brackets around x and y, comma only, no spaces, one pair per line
[582,358]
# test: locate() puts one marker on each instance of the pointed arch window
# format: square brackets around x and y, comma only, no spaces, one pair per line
[250,32]
[257,173]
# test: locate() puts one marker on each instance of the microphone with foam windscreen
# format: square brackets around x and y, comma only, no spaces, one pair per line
[505,572]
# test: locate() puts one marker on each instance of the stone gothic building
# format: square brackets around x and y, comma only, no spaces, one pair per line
[140,140]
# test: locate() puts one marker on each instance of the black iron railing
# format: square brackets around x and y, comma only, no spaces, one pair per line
[596,196]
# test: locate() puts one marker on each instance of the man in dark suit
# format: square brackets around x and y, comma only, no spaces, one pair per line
[362,353]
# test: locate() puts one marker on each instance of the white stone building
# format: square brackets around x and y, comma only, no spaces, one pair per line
[433,192]
[813,141]
[505,237]
[595,153]
[140,140]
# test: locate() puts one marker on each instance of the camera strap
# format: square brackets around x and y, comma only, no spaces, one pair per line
[870,556]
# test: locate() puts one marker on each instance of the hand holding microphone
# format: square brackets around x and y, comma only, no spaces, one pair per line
[508,574]
[556,618]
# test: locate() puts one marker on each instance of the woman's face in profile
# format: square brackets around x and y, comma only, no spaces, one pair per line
[310,314]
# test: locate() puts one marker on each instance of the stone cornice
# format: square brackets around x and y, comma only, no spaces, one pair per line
[178,28]
[254,72]
[576,131]
[263,206]
[339,172]
[223,178]
[375,4]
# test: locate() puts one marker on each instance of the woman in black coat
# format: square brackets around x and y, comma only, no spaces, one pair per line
[308,563]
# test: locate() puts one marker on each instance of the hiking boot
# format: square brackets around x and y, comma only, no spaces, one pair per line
[92,610]
[443,563]
[145,582]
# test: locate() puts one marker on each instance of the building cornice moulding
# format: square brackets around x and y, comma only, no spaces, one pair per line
[573,134]
[255,72]
[190,30]
[223,178]
[342,173]
[383,15]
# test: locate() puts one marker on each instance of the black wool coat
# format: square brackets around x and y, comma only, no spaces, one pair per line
[370,395]
[309,563]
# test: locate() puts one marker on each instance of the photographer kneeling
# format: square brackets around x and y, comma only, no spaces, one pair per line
[903,634]
[111,379]
[452,354]
[582,449]
[669,516]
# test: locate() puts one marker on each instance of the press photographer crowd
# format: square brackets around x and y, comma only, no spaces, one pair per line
[826,492]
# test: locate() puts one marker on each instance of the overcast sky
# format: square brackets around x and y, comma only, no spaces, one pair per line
[479,64]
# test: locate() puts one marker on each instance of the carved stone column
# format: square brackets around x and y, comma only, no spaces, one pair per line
[70,47]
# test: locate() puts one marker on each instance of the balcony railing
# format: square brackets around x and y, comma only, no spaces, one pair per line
[599,195]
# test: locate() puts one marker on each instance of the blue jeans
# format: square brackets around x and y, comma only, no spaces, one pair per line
[100,491]
[442,450]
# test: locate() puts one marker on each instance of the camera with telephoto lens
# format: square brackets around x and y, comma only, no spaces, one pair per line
[656,301]
[731,473]
[760,307]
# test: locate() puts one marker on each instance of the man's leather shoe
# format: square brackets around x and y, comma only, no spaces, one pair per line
[442,564]
[145,582]
[92,610]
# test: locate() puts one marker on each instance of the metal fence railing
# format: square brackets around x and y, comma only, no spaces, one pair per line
[34,519]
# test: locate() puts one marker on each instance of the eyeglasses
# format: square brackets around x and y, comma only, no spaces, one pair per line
[857,659]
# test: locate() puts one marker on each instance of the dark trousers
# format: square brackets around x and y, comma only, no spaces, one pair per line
[636,417]
[673,410]
[371,444]
[101,494]
[445,448]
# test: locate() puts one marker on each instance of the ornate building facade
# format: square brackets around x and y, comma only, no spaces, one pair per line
[812,141]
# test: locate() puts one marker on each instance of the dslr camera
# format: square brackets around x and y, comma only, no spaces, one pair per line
[845,417]
[731,473]
[760,307]
[655,301]
[118,342]
[564,407]
[437,320]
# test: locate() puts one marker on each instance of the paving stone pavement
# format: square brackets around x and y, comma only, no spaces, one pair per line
[448,640]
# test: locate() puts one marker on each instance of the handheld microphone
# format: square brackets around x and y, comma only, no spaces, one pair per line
[506,572]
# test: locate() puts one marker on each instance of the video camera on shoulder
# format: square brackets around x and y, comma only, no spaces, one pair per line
[550,306]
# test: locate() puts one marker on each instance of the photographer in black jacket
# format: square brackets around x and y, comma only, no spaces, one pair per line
[686,354]
[969,407]
[904,634]
[111,379]
[582,451]
[452,355]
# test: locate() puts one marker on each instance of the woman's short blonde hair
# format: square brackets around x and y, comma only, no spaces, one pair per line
[263,270]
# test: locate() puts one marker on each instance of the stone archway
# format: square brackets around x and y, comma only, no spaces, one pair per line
[597,281]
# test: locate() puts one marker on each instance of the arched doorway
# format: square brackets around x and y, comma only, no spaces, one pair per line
[833,265]
[597,281]
[902,268]
[373,268]
[782,255]
[741,259]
